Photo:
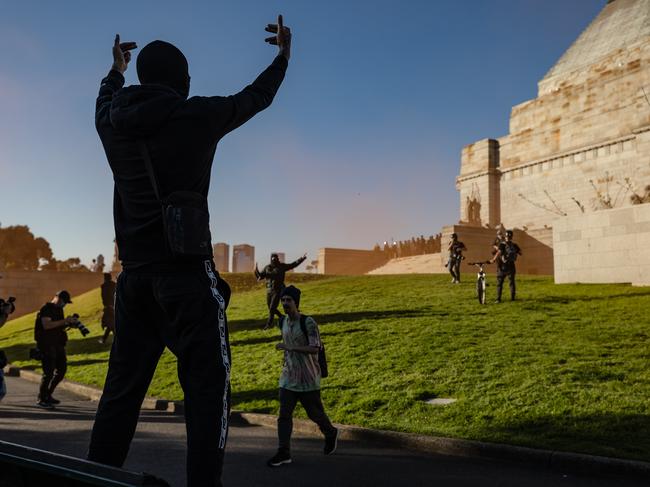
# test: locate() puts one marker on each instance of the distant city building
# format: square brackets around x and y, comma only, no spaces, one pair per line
[243,258]
[221,256]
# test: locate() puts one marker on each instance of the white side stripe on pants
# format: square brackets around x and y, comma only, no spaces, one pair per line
[224,351]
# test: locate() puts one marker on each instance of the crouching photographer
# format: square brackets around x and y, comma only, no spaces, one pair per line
[51,338]
[6,308]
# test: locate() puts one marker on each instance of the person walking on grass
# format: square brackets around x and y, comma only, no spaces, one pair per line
[108,300]
[300,378]
[455,249]
[160,146]
[274,274]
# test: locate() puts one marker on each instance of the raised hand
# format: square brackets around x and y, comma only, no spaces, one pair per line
[121,54]
[282,39]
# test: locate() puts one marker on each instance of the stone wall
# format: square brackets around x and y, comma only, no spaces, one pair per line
[540,193]
[348,261]
[610,246]
[537,253]
[415,264]
[32,289]
[581,147]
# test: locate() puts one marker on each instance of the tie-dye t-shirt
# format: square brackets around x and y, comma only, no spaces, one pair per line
[301,371]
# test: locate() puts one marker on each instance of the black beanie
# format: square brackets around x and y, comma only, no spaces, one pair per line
[294,292]
[162,63]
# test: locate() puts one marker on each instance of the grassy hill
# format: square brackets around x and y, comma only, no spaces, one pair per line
[565,367]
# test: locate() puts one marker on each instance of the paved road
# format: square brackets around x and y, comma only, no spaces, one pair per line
[159,447]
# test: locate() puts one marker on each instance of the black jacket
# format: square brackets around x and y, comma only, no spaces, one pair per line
[182,136]
[274,274]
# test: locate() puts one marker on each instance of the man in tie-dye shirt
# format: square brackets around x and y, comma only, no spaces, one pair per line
[301,376]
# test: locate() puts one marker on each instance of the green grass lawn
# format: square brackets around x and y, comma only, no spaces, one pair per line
[565,367]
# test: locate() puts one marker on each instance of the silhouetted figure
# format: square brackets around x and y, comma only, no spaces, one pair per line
[100,263]
[108,300]
[51,339]
[274,274]
[160,146]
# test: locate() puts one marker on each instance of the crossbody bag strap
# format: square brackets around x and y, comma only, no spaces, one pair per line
[303,327]
[144,150]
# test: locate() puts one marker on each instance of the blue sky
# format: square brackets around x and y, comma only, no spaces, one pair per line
[361,144]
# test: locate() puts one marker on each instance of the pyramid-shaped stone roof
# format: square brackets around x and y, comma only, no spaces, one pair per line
[620,24]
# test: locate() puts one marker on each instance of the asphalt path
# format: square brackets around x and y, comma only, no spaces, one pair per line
[159,448]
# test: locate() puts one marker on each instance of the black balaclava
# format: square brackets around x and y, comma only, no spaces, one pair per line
[160,62]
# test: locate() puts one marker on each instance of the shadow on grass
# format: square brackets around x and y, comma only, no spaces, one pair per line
[20,351]
[87,362]
[239,397]
[585,299]
[257,340]
[612,435]
[346,317]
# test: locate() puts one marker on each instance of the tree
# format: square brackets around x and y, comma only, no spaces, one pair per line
[19,249]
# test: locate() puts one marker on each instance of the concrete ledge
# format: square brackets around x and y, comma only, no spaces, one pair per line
[555,460]
[90,392]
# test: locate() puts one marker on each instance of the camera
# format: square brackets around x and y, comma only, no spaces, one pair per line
[80,326]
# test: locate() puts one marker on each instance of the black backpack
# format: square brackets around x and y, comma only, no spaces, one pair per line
[322,358]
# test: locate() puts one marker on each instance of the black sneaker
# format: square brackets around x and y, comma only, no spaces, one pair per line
[51,400]
[280,458]
[330,443]
[45,405]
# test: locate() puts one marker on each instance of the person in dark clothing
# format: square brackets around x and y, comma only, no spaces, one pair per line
[274,274]
[108,300]
[51,339]
[6,308]
[505,257]
[166,298]
[455,248]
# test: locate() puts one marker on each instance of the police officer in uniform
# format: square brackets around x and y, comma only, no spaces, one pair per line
[455,248]
[505,257]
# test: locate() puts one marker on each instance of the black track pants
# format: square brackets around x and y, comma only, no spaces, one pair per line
[501,276]
[185,312]
[272,301]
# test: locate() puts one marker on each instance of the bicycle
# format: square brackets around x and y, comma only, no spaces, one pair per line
[480,280]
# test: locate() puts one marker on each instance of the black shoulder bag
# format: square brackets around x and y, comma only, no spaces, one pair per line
[185,217]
